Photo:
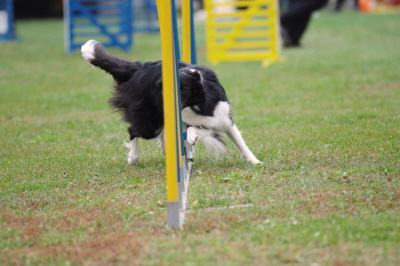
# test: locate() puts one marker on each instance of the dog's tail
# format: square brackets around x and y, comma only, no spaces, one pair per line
[122,70]
[214,144]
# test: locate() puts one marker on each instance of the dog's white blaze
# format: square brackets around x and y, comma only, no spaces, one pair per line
[220,121]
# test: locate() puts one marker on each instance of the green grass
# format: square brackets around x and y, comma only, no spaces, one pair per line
[326,124]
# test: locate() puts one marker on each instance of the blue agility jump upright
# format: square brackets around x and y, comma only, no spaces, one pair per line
[7,26]
[112,22]
[109,22]
[145,17]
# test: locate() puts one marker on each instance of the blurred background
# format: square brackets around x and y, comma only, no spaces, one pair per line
[54,8]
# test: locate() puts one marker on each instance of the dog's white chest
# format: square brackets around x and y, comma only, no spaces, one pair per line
[218,121]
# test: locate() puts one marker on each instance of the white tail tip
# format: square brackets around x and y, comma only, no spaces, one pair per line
[88,50]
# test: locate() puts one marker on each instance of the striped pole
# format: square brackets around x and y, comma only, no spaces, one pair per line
[170,121]
[188,40]
[189,55]
[177,164]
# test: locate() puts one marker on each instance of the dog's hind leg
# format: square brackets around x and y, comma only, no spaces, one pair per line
[234,134]
[133,155]
[122,70]
[162,141]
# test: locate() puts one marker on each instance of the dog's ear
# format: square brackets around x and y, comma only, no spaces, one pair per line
[195,78]
[196,75]
[159,83]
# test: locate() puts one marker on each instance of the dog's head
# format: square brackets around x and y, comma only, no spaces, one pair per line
[190,86]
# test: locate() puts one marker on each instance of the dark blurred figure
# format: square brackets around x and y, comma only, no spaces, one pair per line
[339,4]
[296,18]
[198,5]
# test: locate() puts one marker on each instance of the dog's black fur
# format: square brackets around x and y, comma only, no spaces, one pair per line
[138,92]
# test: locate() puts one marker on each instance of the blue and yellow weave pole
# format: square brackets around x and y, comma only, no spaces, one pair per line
[178,105]
[188,40]
[170,121]
[189,52]
[181,160]
[176,166]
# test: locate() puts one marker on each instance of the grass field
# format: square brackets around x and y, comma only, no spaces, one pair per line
[326,124]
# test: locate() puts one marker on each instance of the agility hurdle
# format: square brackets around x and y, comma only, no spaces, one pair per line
[178,153]
[108,21]
[245,30]
[144,16]
[7,27]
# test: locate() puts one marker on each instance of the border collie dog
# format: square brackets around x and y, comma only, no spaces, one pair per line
[137,94]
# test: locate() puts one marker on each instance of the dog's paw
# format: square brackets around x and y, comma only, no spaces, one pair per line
[133,155]
[133,160]
[88,50]
[253,160]
[192,135]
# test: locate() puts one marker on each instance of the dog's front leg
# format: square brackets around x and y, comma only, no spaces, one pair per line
[133,156]
[194,134]
[234,134]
